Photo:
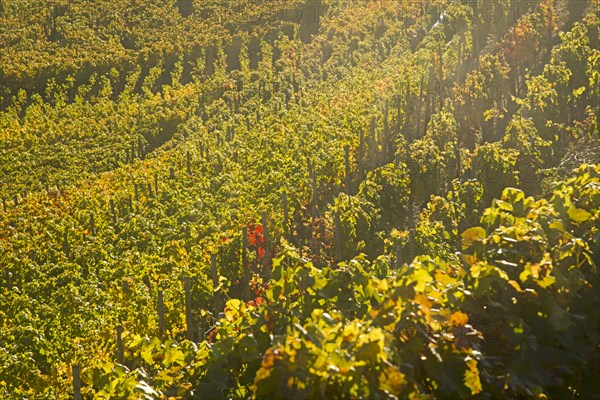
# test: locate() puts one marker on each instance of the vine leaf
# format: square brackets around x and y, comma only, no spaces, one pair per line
[459,318]
[471,236]
[578,215]
[472,376]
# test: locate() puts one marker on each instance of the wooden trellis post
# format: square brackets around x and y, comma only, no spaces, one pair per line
[188,162]
[419,104]
[412,244]
[361,146]
[459,58]
[66,247]
[347,168]
[171,173]
[161,315]
[132,151]
[408,103]
[16,200]
[136,190]
[4,204]
[140,150]
[7,279]
[245,266]
[430,96]
[386,121]
[76,382]
[475,37]
[149,186]
[398,255]
[112,212]
[85,270]
[338,237]
[315,209]
[187,288]
[474,167]
[373,148]
[130,203]
[313,178]
[398,112]
[120,349]
[440,78]
[215,280]
[92,225]
[267,236]
[286,215]
[461,44]
[409,214]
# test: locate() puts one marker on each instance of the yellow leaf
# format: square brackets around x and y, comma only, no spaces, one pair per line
[444,278]
[425,304]
[392,380]
[459,319]
[472,377]
[469,259]
[471,236]
[516,285]
[477,268]
[422,278]
[269,359]
[350,332]
[578,215]
[147,357]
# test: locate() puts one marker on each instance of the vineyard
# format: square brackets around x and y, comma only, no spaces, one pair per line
[300,199]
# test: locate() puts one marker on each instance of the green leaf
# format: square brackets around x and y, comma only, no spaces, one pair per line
[560,320]
[369,352]
[248,348]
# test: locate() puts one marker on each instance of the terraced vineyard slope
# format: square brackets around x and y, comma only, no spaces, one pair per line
[307,199]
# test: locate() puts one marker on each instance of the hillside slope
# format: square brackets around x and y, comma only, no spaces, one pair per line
[302,199]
